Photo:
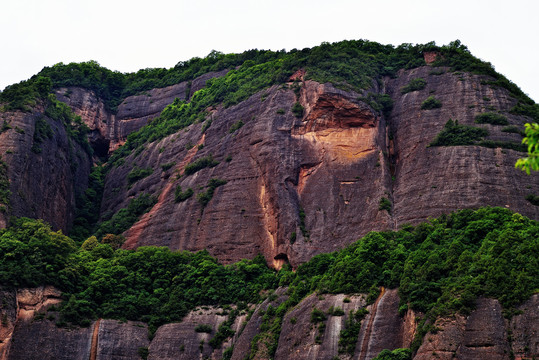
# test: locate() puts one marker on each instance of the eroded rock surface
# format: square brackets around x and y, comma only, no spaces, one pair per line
[483,335]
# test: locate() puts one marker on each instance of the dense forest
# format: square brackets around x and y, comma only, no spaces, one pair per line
[440,268]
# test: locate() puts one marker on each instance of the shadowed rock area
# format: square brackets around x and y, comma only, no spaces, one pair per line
[482,335]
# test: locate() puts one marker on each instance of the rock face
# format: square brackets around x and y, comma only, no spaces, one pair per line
[46,176]
[299,186]
[482,335]
[108,130]
[485,334]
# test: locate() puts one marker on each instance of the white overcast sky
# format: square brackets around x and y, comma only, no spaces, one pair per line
[129,35]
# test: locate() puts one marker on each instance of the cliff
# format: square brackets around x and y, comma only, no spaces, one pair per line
[46,167]
[484,334]
[335,163]
[294,164]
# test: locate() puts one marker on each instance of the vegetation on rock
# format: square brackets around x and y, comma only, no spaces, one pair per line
[440,267]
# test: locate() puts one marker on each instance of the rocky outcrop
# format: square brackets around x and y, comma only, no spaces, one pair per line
[297,187]
[430,181]
[108,130]
[484,334]
[45,177]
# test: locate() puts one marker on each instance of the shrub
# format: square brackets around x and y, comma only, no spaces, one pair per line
[199,164]
[385,204]
[514,129]
[236,126]
[137,174]
[414,85]
[180,196]
[491,118]
[454,134]
[317,316]
[431,103]
[124,218]
[533,199]
[503,144]
[297,110]
[203,328]
[205,197]
[167,166]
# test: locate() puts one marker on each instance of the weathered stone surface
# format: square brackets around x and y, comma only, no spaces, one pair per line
[298,336]
[335,163]
[118,341]
[43,184]
[525,330]
[110,130]
[480,336]
[181,341]
[43,340]
[280,164]
[430,181]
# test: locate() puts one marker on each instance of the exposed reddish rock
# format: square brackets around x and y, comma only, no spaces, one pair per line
[340,148]
[430,56]
[430,181]
[44,183]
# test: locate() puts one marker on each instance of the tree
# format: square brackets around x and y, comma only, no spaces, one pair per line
[532,140]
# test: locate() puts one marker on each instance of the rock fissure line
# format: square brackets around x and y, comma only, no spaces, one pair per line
[134,233]
[368,329]
[95,339]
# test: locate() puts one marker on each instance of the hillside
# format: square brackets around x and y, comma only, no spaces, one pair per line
[286,155]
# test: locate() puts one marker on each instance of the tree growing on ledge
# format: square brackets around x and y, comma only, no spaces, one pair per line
[532,140]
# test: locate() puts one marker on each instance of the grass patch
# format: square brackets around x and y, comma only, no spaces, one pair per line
[414,85]
[431,103]
[454,134]
[491,118]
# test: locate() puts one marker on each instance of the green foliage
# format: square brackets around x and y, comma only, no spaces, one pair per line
[206,125]
[88,205]
[24,95]
[236,126]
[491,118]
[31,254]
[431,103]
[336,311]
[293,237]
[124,218]
[533,199]
[385,204]
[352,326]
[440,267]
[203,328]
[514,129]
[5,127]
[75,128]
[302,226]
[502,144]
[454,134]
[397,354]
[5,193]
[527,108]
[225,330]
[42,131]
[317,316]
[199,164]
[414,85]
[532,140]
[297,110]
[205,197]
[379,102]
[137,174]
[143,352]
[181,196]
[165,167]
